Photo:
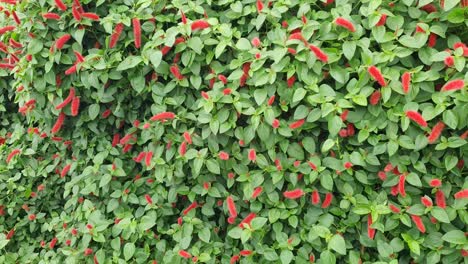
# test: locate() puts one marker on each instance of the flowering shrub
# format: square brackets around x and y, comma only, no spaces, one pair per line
[139,131]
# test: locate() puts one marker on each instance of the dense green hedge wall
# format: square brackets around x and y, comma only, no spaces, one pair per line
[252,131]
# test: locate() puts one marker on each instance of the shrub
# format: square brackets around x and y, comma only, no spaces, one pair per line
[136,131]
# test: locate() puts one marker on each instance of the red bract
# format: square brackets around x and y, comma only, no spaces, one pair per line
[192,206]
[231,207]
[256,42]
[436,131]
[234,259]
[6,29]
[75,106]
[405,81]
[401,185]
[259,6]
[184,254]
[183,17]
[62,40]
[91,16]
[291,81]
[252,155]
[12,154]
[328,200]
[440,199]
[370,230]
[247,220]
[275,123]
[176,72]
[79,57]
[76,14]
[257,192]
[294,194]
[199,24]
[319,53]
[245,252]
[416,117]
[60,5]
[377,75]
[116,35]
[394,209]
[343,22]
[187,137]
[297,124]
[65,170]
[136,32]
[382,20]
[148,157]
[435,183]
[449,61]
[71,70]
[53,242]
[148,199]
[163,116]
[313,166]
[58,124]
[344,115]
[223,155]
[51,16]
[463,194]
[426,201]
[419,223]
[375,97]
[453,85]
[315,198]
[183,148]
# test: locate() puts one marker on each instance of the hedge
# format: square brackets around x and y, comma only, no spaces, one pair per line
[139,131]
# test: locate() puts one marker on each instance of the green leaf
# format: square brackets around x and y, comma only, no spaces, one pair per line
[195,44]
[155,58]
[129,62]
[205,235]
[456,16]
[349,47]
[440,214]
[286,256]
[129,250]
[337,243]
[93,111]
[455,237]
[243,44]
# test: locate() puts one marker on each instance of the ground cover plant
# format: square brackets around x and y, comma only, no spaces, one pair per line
[140,131]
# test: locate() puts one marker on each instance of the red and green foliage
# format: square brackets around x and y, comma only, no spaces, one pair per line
[139,131]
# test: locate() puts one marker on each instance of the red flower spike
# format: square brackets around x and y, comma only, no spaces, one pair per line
[463,194]
[394,209]
[231,207]
[344,115]
[257,192]
[315,198]
[294,194]
[406,81]
[247,220]
[183,148]
[65,170]
[92,16]
[223,155]
[184,254]
[453,85]
[199,25]
[88,251]
[416,117]
[319,53]
[148,158]
[163,116]
[252,155]
[370,230]
[148,199]
[401,185]
[6,29]
[60,5]
[256,42]
[436,131]
[58,124]
[343,22]
[382,175]
[297,124]
[419,223]
[183,17]
[234,259]
[377,75]
[426,201]
[435,183]
[62,41]
[275,123]
[382,20]
[449,61]
[245,252]
[440,199]
[328,199]
[53,242]
[259,6]
[136,32]
[75,106]
[291,80]
[192,206]
[375,97]
[51,16]
[176,72]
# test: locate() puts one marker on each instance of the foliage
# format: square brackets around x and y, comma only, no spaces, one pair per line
[136,131]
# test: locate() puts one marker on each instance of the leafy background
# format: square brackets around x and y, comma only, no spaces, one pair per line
[106,188]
